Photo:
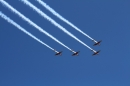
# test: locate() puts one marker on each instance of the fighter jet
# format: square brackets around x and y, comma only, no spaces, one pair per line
[58,53]
[96,53]
[75,53]
[97,43]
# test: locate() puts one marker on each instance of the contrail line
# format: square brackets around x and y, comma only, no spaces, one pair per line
[23,30]
[54,22]
[32,23]
[62,18]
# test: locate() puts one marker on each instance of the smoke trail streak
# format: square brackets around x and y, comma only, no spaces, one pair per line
[32,23]
[23,30]
[62,18]
[54,22]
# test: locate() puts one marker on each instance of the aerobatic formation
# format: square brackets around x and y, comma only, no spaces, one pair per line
[42,14]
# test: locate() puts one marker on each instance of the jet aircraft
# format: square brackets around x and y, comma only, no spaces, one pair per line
[58,53]
[97,43]
[96,53]
[75,53]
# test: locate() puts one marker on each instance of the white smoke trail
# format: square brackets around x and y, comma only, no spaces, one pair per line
[32,23]
[62,18]
[54,22]
[23,30]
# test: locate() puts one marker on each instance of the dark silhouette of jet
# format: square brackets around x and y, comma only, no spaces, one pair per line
[96,53]
[75,53]
[58,53]
[97,43]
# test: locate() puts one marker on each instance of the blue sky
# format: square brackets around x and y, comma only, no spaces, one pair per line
[26,62]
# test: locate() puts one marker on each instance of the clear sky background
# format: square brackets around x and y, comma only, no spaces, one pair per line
[26,62]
